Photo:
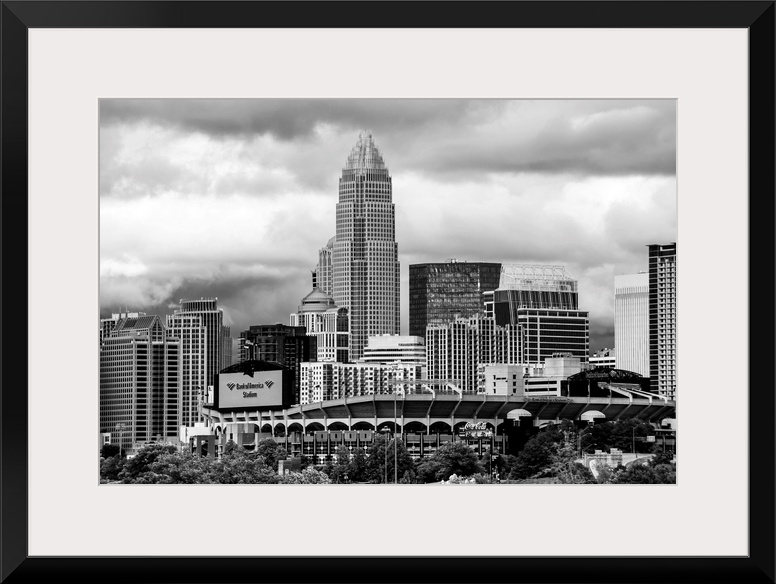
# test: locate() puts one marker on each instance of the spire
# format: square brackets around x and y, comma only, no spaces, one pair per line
[365,154]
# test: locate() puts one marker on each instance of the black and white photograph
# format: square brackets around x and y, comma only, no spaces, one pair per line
[387,291]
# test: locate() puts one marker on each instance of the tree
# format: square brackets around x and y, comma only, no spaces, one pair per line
[339,470]
[537,454]
[241,468]
[308,476]
[110,468]
[380,464]
[229,447]
[616,434]
[358,468]
[451,458]
[139,464]
[564,464]
[109,450]
[182,468]
[270,452]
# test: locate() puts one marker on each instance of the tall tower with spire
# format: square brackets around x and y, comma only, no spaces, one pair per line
[365,256]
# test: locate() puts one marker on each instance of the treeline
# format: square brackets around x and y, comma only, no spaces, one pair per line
[550,456]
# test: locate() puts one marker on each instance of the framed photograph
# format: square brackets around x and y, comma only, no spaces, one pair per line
[109,107]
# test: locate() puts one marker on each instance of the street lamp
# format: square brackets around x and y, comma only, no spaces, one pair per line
[120,428]
[385,432]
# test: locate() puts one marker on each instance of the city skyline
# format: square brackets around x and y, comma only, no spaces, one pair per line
[234,198]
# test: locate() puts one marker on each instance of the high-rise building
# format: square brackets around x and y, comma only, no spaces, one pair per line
[544,302]
[395,349]
[108,324]
[199,324]
[278,343]
[662,319]
[442,292]
[187,327]
[323,274]
[140,372]
[226,348]
[365,255]
[457,351]
[631,322]
[329,325]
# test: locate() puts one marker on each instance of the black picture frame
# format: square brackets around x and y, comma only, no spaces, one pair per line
[19,16]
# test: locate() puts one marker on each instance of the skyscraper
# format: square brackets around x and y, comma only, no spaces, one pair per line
[322,276]
[442,292]
[544,302]
[199,324]
[662,319]
[139,382]
[365,256]
[631,322]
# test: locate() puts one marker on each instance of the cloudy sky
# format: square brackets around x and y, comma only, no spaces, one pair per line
[233,198]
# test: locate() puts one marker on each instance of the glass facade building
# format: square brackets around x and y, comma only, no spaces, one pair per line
[543,301]
[199,324]
[140,372]
[662,319]
[365,261]
[443,292]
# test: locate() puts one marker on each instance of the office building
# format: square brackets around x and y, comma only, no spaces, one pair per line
[543,301]
[395,349]
[631,322]
[457,350]
[324,273]
[365,255]
[662,319]
[442,292]
[278,343]
[226,348]
[140,371]
[329,325]
[108,324]
[199,326]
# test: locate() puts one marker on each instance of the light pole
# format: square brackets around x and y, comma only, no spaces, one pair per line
[385,432]
[633,436]
[395,456]
[120,428]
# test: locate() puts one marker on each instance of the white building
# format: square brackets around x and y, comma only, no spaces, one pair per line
[326,381]
[456,351]
[365,257]
[631,322]
[604,358]
[395,349]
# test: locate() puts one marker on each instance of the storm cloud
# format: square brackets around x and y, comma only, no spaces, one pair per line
[233,198]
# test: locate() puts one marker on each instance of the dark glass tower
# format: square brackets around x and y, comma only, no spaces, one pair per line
[442,292]
[365,256]
[662,319]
